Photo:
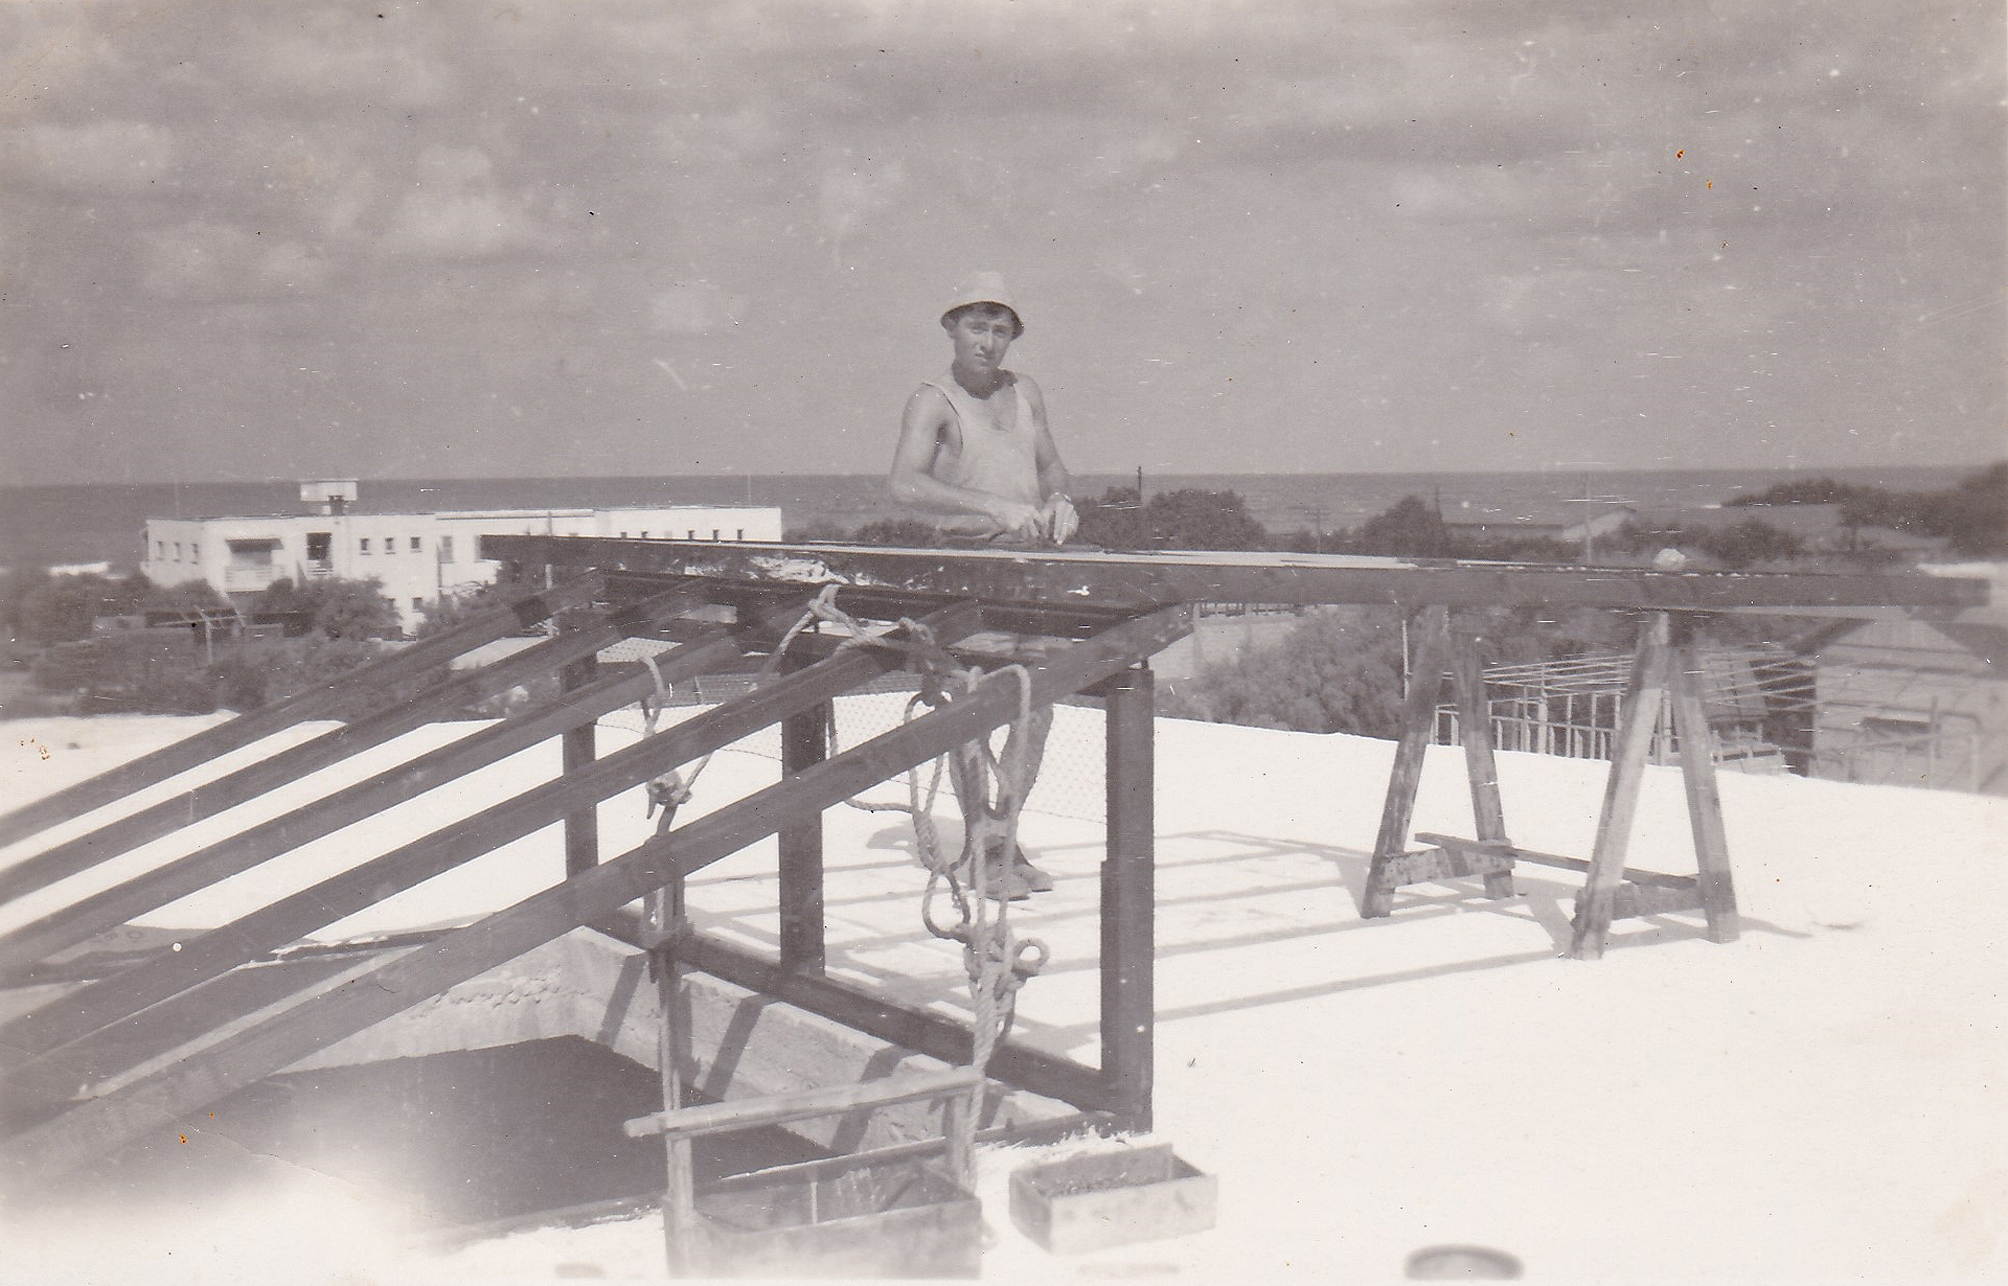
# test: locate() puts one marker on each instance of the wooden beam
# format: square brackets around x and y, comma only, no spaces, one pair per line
[1474,715]
[1474,850]
[36,941]
[254,725]
[1630,901]
[1645,693]
[1451,861]
[577,748]
[804,743]
[1171,576]
[1418,729]
[97,1006]
[101,1124]
[331,747]
[1129,901]
[875,1016]
[1704,800]
[802,1105]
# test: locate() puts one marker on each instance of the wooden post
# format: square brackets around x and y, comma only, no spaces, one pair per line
[682,1232]
[1476,716]
[1704,802]
[1645,691]
[804,743]
[1129,900]
[1418,724]
[582,828]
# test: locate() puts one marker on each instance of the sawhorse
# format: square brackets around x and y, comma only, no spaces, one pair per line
[1661,668]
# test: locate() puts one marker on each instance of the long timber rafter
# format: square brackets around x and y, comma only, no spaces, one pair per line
[103,1062]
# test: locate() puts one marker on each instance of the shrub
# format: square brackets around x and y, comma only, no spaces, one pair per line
[1338,671]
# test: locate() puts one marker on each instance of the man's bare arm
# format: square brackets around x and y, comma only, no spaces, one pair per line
[1057,519]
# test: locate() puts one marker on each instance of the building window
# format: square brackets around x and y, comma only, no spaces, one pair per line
[363,545]
[160,549]
[690,535]
[739,534]
[177,551]
[417,604]
[194,553]
[644,535]
[390,544]
[320,546]
[623,535]
[714,533]
[415,546]
[446,549]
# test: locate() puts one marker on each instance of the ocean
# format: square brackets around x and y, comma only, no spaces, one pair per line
[103,522]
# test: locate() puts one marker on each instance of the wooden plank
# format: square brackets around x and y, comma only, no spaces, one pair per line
[1704,800]
[577,748]
[1434,865]
[1170,576]
[101,1124]
[875,1016]
[802,1105]
[1476,848]
[152,889]
[1645,692]
[247,783]
[804,743]
[1475,728]
[1418,729]
[1129,901]
[100,1004]
[254,725]
[1629,901]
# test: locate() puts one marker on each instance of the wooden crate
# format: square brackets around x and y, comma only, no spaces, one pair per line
[844,1217]
[1111,1198]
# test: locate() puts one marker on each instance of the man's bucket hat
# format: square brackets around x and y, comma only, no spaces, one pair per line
[985,288]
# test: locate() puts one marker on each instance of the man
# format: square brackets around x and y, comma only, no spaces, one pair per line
[976,454]
[974,449]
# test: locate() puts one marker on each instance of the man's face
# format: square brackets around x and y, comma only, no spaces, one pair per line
[982,333]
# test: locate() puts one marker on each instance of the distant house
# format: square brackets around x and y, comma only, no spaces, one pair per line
[1920,703]
[418,557]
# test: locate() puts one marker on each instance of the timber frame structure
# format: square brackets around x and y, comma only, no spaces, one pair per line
[101,1063]
[163,1034]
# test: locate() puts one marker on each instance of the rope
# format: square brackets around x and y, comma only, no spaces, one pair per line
[996,963]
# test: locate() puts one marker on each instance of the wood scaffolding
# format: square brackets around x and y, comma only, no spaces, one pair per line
[154,1040]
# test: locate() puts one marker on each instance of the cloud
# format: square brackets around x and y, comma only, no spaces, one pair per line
[695,308]
[207,261]
[456,211]
[107,156]
[852,190]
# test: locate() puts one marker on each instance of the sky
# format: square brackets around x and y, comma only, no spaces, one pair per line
[246,239]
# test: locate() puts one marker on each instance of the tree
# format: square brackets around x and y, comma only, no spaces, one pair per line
[1338,671]
[1412,528]
[338,608]
[1189,518]
[1751,541]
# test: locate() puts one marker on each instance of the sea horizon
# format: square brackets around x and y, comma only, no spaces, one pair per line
[43,524]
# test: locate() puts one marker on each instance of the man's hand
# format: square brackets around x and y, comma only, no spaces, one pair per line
[1057,519]
[1019,521]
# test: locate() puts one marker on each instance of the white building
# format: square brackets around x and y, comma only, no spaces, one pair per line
[416,557]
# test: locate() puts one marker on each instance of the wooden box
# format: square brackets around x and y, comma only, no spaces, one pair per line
[1111,1198]
[844,1217]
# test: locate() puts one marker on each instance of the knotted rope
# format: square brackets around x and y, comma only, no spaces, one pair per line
[996,962]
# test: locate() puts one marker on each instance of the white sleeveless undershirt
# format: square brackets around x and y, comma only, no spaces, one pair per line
[995,461]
